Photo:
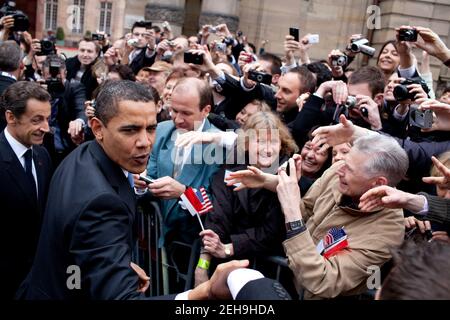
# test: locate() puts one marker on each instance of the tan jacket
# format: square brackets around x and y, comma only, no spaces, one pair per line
[370,238]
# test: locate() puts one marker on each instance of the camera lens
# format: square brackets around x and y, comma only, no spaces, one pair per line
[401,93]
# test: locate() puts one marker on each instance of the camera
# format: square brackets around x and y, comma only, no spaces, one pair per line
[21,22]
[360,45]
[47,48]
[54,84]
[421,119]
[260,77]
[401,92]
[313,38]
[221,46]
[98,36]
[133,42]
[407,35]
[212,30]
[189,57]
[344,109]
[339,61]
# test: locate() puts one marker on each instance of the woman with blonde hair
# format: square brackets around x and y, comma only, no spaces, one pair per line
[246,223]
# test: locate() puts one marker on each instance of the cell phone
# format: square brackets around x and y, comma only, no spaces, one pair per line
[294,32]
[313,38]
[146,180]
[189,57]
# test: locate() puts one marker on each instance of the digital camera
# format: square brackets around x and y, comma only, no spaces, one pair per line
[98,36]
[409,35]
[340,60]
[421,119]
[260,77]
[401,92]
[47,48]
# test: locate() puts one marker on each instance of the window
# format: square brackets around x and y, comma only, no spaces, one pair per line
[51,11]
[105,17]
[78,16]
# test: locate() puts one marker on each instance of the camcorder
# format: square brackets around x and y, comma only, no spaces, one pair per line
[401,92]
[360,45]
[54,84]
[421,119]
[260,77]
[189,57]
[21,21]
[98,36]
[409,35]
[340,60]
[346,107]
[47,48]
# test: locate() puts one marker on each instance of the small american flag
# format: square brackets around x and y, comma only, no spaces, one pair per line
[334,241]
[196,201]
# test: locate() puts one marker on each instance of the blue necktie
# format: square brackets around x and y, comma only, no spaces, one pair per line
[130,179]
[29,167]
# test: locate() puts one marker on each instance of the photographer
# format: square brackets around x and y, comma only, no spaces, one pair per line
[39,50]
[67,101]
[140,47]
[101,39]
[12,21]
[80,67]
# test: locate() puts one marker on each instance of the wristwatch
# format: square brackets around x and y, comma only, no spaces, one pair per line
[228,250]
[295,225]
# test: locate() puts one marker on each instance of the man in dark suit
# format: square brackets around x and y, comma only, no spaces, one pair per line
[142,51]
[10,62]
[25,172]
[87,237]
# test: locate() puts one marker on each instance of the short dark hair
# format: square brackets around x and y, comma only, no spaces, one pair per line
[86,39]
[112,92]
[373,76]
[156,29]
[139,24]
[203,89]
[10,56]
[16,96]
[321,72]
[124,71]
[306,77]
[275,60]
[421,271]
[446,89]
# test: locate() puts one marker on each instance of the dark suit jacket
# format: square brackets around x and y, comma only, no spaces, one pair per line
[141,61]
[21,214]
[5,82]
[88,223]
[263,289]
[89,81]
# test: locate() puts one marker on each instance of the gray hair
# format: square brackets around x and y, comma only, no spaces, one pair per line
[10,56]
[386,157]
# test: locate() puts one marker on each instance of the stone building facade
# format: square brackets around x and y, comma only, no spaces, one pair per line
[260,20]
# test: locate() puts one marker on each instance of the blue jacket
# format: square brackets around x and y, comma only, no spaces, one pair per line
[178,224]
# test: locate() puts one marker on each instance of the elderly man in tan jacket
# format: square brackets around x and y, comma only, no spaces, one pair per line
[331,245]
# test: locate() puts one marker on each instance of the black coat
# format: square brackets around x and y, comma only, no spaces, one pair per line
[88,222]
[21,214]
[88,79]
[5,82]
[251,218]
[141,61]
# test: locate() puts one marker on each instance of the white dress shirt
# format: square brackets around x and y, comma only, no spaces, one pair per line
[19,150]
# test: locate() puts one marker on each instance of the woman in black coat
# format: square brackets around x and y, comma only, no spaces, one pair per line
[248,222]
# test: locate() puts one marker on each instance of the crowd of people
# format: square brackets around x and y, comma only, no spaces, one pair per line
[337,169]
